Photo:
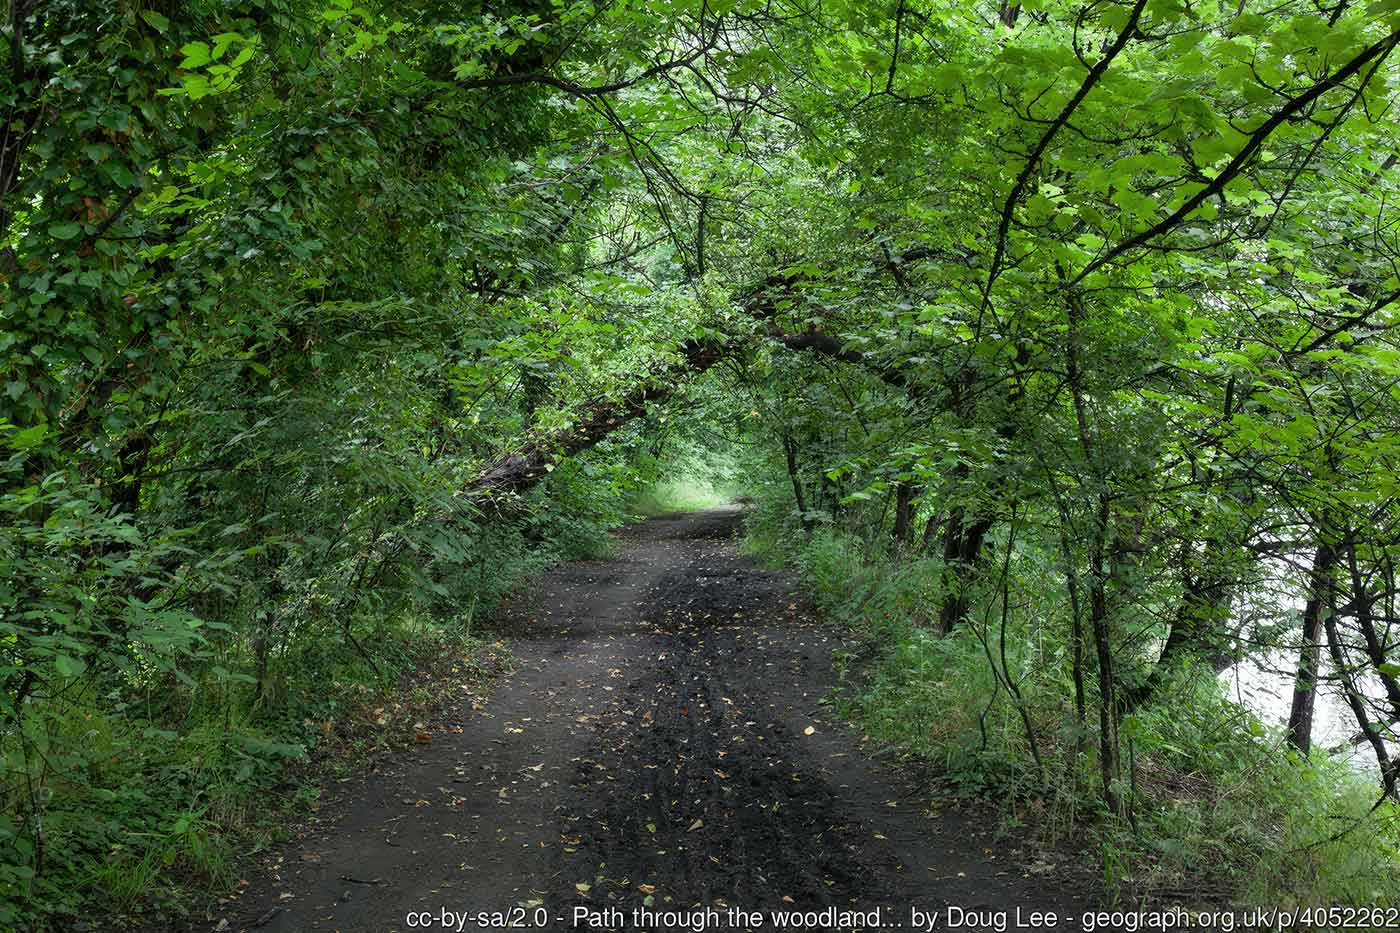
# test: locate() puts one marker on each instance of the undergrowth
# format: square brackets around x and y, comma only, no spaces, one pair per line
[138,793]
[1222,811]
[170,801]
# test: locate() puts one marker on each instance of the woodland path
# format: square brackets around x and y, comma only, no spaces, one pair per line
[655,734]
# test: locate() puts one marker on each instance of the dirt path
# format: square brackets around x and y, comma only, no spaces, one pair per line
[663,744]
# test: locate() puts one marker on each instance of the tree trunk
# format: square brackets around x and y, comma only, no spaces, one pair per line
[906,494]
[829,496]
[1300,716]
[1390,767]
[790,450]
[1198,631]
[931,527]
[1076,637]
[1098,618]
[1377,653]
[962,553]
[1098,575]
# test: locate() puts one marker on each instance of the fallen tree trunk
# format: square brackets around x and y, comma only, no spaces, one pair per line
[516,472]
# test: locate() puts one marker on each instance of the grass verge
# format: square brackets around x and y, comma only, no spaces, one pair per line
[1223,812]
[165,816]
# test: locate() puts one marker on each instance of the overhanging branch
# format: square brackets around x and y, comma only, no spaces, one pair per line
[518,471]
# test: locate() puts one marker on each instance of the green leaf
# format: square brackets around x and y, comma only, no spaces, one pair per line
[196,55]
[68,666]
[122,176]
[65,231]
[157,21]
[28,438]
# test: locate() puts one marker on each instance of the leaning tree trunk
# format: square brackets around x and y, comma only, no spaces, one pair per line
[517,472]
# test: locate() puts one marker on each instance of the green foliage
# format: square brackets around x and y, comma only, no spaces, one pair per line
[687,479]
[1056,340]
[268,313]
[686,494]
[1221,808]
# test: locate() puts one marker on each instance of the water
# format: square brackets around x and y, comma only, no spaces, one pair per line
[1263,684]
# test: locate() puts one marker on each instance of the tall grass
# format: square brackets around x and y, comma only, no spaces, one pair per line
[1223,811]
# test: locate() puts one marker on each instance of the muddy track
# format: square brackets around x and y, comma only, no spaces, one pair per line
[700,785]
[664,744]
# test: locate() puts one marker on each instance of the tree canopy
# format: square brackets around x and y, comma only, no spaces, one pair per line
[319,315]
